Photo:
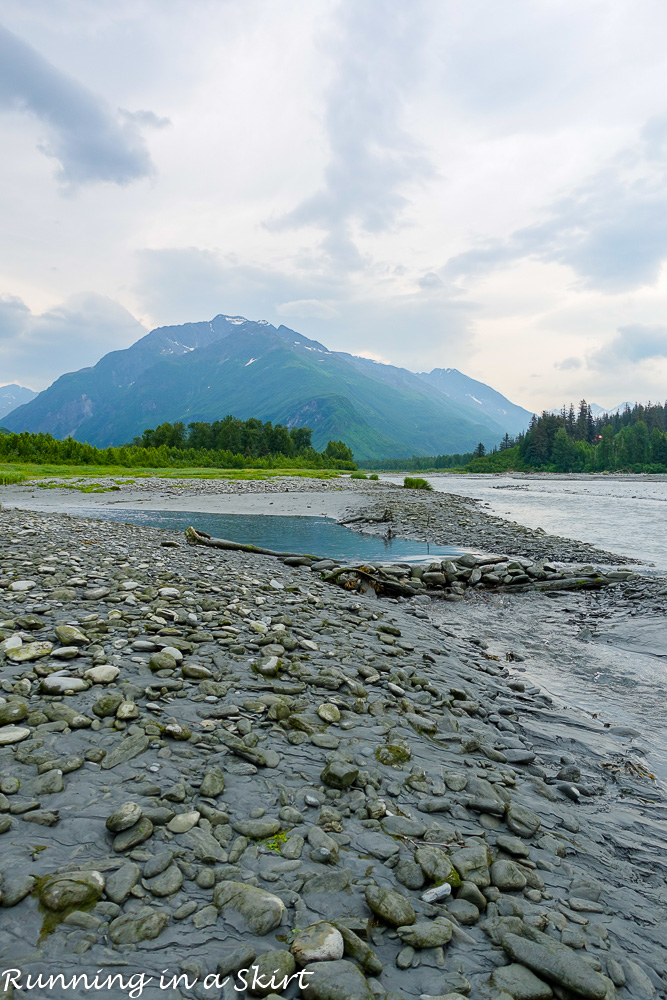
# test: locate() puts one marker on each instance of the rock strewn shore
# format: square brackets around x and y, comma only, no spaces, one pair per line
[210,759]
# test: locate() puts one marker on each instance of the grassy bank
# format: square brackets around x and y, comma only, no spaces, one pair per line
[24,472]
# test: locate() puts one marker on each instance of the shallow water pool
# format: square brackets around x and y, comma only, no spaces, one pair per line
[318,536]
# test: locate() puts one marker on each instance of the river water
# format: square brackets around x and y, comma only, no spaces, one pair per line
[625,514]
[604,653]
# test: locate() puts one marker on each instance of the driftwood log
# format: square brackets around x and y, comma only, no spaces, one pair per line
[448,579]
[195,537]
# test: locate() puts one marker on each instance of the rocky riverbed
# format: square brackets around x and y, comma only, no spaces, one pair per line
[213,760]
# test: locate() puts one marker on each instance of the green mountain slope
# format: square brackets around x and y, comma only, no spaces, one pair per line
[204,371]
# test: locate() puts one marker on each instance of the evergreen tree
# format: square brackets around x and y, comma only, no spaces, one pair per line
[564,453]
[606,450]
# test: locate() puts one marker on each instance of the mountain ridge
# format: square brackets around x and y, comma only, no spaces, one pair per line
[205,370]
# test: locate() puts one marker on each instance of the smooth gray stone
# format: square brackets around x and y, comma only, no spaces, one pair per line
[157,864]
[236,958]
[136,834]
[339,980]
[119,884]
[166,884]
[507,876]
[521,983]
[257,829]
[205,847]
[15,887]
[390,905]
[553,960]
[403,826]
[522,821]
[143,925]
[261,910]
[126,750]
[378,845]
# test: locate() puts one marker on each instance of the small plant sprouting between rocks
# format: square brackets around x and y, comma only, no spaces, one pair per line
[393,754]
[276,842]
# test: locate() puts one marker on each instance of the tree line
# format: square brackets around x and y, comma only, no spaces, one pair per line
[421,463]
[226,444]
[634,440]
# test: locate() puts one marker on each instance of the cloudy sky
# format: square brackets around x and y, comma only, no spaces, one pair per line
[479,185]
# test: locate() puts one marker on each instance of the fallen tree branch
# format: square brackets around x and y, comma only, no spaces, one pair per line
[195,537]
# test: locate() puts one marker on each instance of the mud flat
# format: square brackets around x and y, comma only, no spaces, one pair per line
[212,760]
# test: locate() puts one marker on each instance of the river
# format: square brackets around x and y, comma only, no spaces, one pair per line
[625,514]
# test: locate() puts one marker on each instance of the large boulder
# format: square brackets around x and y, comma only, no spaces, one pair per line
[554,961]
[437,866]
[73,890]
[142,925]
[472,864]
[520,983]
[427,933]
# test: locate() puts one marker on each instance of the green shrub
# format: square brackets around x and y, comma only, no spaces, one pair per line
[374,476]
[416,484]
[358,475]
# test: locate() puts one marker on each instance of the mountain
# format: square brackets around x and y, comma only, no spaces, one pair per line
[12,396]
[203,371]
[599,411]
[482,398]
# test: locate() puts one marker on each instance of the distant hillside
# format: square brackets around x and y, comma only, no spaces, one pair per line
[12,396]
[204,371]
[482,398]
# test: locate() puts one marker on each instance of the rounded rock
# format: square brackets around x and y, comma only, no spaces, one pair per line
[321,942]
[390,906]
[124,817]
[13,734]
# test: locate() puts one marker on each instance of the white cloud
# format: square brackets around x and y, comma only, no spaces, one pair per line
[35,349]
[307,309]
[89,140]
[468,185]
[633,345]
[373,159]
[568,364]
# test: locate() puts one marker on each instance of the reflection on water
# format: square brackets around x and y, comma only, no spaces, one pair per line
[318,536]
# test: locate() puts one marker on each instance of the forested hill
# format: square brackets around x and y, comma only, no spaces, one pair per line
[576,441]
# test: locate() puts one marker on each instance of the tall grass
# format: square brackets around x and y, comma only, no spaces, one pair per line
[9,476]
